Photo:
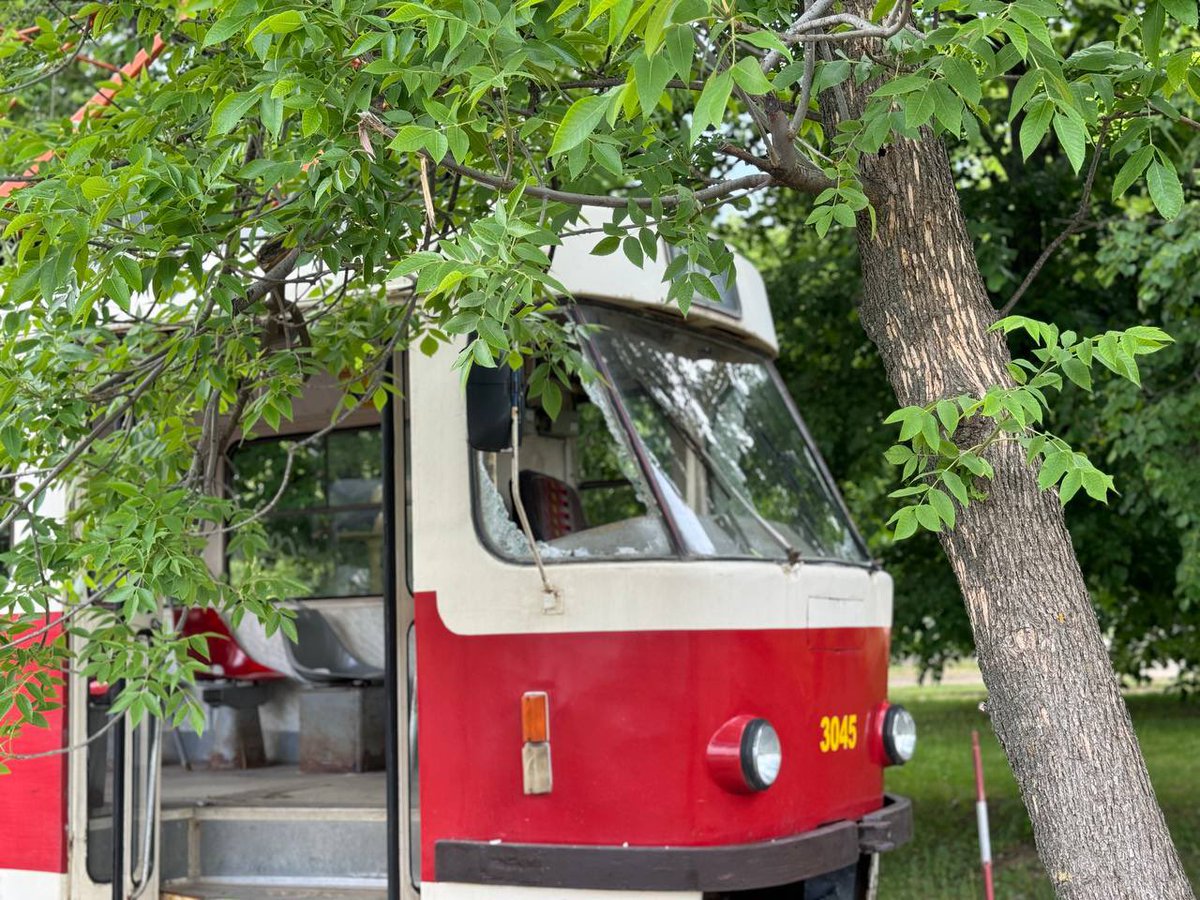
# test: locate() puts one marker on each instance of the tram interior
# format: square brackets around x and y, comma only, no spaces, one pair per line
[283,792]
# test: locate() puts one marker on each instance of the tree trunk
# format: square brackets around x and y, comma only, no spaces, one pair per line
[1053,697]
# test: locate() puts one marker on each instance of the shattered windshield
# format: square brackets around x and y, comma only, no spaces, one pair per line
[583,492]
[725,451]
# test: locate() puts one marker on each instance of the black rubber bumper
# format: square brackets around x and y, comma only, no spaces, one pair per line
[736,867]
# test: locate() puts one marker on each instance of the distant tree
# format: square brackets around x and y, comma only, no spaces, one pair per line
[341,143]
[1140,565]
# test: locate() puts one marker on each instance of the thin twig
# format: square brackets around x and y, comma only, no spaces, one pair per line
[54,70]
[1073,224]
[58,751]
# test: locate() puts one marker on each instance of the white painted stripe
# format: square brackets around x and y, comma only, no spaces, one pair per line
[443,890]
[985,837]
[20,884]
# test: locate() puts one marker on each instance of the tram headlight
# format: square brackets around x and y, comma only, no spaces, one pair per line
[762,754]
[899,735]
[744,755]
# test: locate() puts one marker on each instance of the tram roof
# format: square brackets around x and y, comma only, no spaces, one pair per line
[614,279]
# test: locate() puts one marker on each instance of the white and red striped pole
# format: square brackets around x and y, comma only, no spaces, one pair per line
[981,815]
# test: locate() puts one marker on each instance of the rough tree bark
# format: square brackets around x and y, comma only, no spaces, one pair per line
[1053,697]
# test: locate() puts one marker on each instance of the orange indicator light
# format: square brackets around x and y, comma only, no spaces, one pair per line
[535,717]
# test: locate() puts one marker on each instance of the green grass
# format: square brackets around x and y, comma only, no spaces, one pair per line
[943,859]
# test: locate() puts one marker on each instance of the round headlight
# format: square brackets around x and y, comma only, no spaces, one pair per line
[899,735]
[762,754]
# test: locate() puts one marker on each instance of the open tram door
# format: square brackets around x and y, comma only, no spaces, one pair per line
[296,786]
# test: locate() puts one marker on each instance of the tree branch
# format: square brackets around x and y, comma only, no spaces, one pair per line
[272,279]
[503,183]
[712,192]
[1073,224]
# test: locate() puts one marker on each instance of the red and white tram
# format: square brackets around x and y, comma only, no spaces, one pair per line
[643,654]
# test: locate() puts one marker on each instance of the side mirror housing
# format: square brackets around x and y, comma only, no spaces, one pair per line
[491,395]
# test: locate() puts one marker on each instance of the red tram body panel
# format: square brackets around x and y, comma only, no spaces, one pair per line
[630,717]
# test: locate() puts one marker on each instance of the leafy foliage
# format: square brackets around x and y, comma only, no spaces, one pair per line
[406,169]
[940,474]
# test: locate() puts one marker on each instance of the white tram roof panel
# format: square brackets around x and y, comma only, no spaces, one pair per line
[615,279]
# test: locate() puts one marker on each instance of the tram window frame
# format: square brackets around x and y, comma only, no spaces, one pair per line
[309,511]
[634,443]
[653,510]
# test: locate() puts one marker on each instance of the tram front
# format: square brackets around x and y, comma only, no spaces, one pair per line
[649,650]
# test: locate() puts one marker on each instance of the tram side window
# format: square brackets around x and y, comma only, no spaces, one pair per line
[325,534]
[580,485]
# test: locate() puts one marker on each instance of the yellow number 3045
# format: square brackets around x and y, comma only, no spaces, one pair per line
[839,733]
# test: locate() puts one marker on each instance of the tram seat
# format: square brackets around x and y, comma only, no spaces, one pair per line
[236,689]
[320,656]
[553,506]
[226,658]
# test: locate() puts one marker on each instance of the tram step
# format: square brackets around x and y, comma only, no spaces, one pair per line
[268,846]
[207,889]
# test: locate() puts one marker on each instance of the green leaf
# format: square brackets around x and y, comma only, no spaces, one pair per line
[710,108]
[633,250]
[928,518]
[1183,10]
[1078,373]
[680,50]
[919,108]
[929,431]
[1025,88]
[1152,28]
[906,523]
[947,411]
[942,505]
[1070,486]
[748,75]
[579,122]
[607,245]
[1073,139]
[656,23]
[1097,484]
[1134,166]
[1165,189]
[961,75]
[118,290]
[280,23]
[223,29]
[1054,465]
[948,109]
[94,187]
[902,85]
[956,486]
[766,40]
[551,399]
[911,491]
[1035,126]
[10,437]
[911,427]
[976,464]
[652,76]
[1016,34]
[230,111]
